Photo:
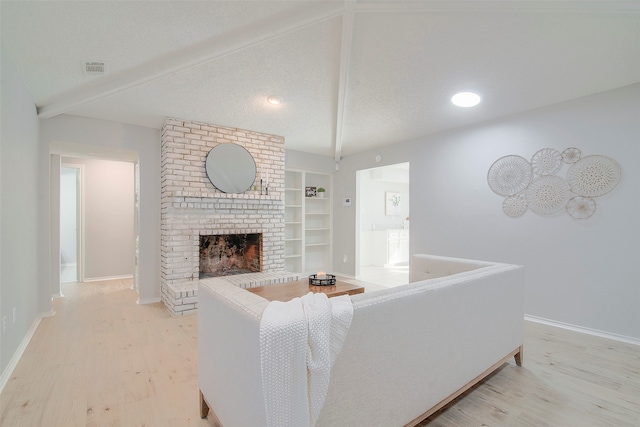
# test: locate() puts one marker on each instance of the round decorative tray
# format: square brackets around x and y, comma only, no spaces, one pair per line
[328,281]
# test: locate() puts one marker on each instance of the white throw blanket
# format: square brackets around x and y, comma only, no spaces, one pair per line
[299,342]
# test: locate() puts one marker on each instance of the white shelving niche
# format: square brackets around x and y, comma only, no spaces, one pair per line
[308,222]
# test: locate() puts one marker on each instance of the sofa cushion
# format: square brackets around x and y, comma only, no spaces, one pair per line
[431,266]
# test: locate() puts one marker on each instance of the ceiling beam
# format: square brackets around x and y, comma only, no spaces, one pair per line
[291,20]
[345,59]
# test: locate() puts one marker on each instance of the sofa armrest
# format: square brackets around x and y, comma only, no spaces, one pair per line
[229,374]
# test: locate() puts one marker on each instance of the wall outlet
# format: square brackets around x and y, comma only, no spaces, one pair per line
[4,324]
[14,315]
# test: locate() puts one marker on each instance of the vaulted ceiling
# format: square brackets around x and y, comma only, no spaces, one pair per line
[353,75]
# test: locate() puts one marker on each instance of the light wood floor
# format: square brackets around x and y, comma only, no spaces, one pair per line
[105,361]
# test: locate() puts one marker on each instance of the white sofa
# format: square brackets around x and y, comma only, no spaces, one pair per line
[409,350]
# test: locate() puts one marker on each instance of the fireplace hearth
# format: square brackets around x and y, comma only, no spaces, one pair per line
[229,254]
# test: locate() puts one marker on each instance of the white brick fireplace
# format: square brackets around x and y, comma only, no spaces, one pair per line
[192,206]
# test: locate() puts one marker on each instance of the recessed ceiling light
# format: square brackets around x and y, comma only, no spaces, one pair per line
[275,100]
[465,99]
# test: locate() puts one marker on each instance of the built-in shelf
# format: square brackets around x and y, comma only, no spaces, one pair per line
[308,223]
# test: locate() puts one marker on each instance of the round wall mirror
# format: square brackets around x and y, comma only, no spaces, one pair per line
[231,168]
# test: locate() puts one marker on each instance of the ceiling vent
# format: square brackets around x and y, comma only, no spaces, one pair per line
[94,67]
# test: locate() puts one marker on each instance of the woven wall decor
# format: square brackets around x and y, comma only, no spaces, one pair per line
[509,175]
[581,207]
[571,155]
[537,185]
[547,194]
[593,176]
[546,161]
[514,206]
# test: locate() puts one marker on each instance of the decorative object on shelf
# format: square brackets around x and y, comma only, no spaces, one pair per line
[546,161]
[392,204]
[547,194]
[230,168]
[581,207]
[536,185]
[514,206]
[310,191]
[320,192]
[571,155]
[322,279]
[593,176]
[509,175]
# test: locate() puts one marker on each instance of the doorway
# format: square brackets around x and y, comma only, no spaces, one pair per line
[383,225]
[70,223]
[97,219]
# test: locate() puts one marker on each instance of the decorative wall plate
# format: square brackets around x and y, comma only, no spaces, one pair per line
[547,194]
[546,161]
[514,206]
[571,155]
[581,207]
[509,175]
[593,176]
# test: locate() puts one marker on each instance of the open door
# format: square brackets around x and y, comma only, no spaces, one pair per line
[383,225]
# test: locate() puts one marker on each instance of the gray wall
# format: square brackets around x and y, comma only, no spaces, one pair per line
[24,241]
[308,162]
[80,136]
[581,273]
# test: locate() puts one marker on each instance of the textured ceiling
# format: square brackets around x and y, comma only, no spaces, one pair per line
[354,75]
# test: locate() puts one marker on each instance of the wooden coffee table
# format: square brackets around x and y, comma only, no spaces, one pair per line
[289,290]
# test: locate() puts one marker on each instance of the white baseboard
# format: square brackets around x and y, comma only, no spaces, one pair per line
[102,279]
[4,378]
[583,330]
[148,301]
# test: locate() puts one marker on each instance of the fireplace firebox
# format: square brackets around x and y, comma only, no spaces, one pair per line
[229,254]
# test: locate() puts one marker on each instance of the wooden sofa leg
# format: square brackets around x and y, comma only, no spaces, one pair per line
[519,356]
[204,407]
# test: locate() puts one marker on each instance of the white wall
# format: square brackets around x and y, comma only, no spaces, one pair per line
[109,141]
[581,273]
[69,216]
[108,217]
[24,271]
[54,221]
